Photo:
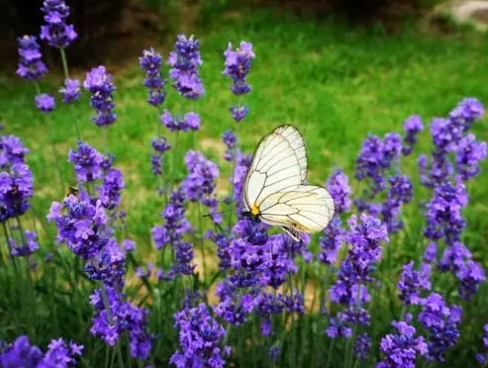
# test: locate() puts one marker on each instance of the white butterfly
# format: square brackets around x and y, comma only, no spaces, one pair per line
[274,189]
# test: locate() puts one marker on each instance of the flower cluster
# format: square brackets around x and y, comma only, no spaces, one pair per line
[16,188]
[412,126]
[402,349]
[440,321]
[71,90]
[400,192]
[185,61]
[87,163]
[200,183]
[160,146]
[171,235]
[30,65]
[12,151]
[151,63]
[120,317]
[242,165]
[29,245]
[189,122]
[237,66]
[340,190]
[23,354]
[412,282]
[349,290]
[376,157]
[56,32]
[448,136]
[200,339]
[99,83]
[45,103]
[230,140]
[81,224]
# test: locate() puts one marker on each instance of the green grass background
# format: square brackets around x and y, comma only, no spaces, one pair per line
[334,82]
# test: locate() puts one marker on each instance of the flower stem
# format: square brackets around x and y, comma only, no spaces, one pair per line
[64,60]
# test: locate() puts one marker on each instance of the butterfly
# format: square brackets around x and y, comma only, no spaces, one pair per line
[274,188]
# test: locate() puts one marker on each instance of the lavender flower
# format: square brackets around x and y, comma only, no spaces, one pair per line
[411,283]
[109,192]
[30,65]
[56,32]
[467,112]
[16,188]
[430,254]
[201,180]
[230,141]
[376,156]
[338,186]
[81,227]
[87,162]
[171,235]
[125,317]
[12,151]
[99,83]
[190,122]
[237,66]
[45,103]
[469,154]
[412,126]
[108,266]
[71,90]
[28,246]
[365,239]
[331,241]
[443,213]
[151,63]
[401,350]
[200,339]
[362,346]
[400,192]
[440,321]
[185,61]
[160,146]
[23,354]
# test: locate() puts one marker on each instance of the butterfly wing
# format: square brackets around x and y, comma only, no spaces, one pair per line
[305,208]
[274,167]
[295,139]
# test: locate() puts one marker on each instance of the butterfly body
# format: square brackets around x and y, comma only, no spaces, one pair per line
[275,191]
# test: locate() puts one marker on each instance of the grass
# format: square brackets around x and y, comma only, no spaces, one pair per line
[334,83]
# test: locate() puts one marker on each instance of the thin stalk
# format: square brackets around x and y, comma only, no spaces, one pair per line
[162,161]
[173,169]
[64,60]
[329,352]
[202,243]
[45,122]
[9,246]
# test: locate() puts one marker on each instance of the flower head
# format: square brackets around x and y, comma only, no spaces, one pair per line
[56,32]
[16,188]
[403,348]
[185,61]
[71,90]
[151,63]
[45,103]
[99,83]
[412,126]
[200,337]
[340,190]
[30,65]
[87,162]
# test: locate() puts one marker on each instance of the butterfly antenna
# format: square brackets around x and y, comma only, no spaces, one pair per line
[216,213]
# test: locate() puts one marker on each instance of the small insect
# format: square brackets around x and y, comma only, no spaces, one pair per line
[72,190]
[274,188]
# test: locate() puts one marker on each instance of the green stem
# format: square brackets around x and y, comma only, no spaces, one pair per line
[64,60]
[202,243]
[9,246]
[329,353]
[292,315]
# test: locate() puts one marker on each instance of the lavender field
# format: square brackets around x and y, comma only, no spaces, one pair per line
[122,195]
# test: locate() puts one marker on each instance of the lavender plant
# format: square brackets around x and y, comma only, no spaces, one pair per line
[245,301]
